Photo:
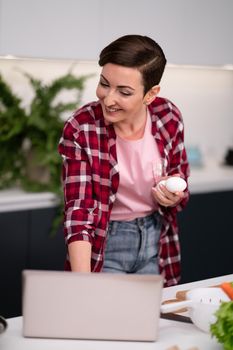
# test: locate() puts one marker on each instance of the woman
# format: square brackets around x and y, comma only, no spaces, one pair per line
[114,153]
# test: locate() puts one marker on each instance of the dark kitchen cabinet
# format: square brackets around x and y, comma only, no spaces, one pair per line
[26,243]
[206,236]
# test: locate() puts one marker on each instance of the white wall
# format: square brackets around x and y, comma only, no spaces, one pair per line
[190,31]
[203,94]
[205,98]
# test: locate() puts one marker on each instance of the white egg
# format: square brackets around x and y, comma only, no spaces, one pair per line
[175,184]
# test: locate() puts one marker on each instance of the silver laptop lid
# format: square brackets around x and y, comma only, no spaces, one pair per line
[91,306]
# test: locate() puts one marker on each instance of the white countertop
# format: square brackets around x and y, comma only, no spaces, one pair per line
[16,199]
[171,333]
[209,178]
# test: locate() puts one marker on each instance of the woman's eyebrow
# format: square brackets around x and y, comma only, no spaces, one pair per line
[119,86]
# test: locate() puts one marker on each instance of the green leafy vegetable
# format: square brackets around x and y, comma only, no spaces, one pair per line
[222,329]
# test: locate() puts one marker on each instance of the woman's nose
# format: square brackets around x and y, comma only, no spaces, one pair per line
[109,99]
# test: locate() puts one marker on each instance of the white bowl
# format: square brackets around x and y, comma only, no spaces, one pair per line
[202,303]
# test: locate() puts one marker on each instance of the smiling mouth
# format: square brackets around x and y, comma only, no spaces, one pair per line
[112,110]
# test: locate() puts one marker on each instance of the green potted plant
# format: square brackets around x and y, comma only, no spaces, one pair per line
[13,121]
[29,138]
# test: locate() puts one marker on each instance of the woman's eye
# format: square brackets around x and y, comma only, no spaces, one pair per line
[125,93]
[103,84]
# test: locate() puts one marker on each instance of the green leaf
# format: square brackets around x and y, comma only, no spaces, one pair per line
[222,329]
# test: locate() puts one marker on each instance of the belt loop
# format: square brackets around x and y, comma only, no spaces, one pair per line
[140,223]
[114,227]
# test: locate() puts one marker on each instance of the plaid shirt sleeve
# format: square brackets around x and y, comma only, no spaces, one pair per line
[169,129]
[179,164]
[81,209]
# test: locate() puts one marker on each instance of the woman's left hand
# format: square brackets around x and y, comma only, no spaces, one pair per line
[165,197]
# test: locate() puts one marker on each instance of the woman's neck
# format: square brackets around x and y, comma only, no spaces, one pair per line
[131,130]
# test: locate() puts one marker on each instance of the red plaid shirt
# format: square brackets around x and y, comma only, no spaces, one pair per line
[91,179]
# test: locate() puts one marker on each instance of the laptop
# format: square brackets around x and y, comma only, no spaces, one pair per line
[103,306]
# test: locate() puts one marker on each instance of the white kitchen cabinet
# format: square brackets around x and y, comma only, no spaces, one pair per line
[191,32]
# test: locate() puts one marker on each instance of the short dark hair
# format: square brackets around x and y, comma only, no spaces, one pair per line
[137,51]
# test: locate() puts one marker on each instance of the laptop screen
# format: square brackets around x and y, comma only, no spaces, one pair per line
[91,305]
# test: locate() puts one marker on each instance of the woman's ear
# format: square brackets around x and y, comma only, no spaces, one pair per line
[151,94]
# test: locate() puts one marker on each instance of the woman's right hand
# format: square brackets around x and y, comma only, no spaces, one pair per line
[165,197]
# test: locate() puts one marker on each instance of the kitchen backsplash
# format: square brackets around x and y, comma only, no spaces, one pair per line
[203,94]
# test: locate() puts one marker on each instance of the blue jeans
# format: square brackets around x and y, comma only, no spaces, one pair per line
[132,246]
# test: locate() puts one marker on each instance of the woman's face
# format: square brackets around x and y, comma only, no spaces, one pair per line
[121,93]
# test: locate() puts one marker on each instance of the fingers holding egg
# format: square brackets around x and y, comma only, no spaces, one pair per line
[165,197]
[170,191]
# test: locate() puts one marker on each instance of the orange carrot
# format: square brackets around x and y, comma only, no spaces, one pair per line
[228,289]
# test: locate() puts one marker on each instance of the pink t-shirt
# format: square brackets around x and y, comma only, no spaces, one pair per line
[139,164]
